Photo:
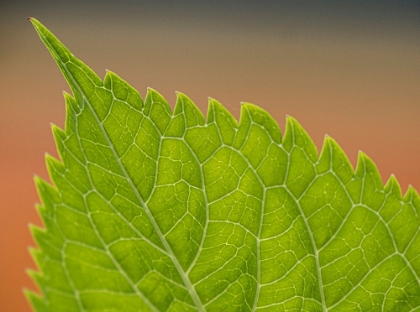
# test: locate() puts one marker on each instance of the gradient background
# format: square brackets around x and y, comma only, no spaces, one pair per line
[349,70]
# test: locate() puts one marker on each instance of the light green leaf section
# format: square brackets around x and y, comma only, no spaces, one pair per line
[154,210]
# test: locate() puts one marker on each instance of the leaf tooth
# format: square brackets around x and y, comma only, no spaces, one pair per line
[215,108]
[37,255]
[55,168]
[412,197]
[296,135]
[326,155]
[371,192]
[226,124]
[332,157]
[59,138]
[366,165]
[71,105]
[36,301]
[179,103]
[264,119]
[412,194]
[338,150]
[58,133]
[72,110]
[37,232]
[291,123]
[37,276]
[48,194]
[393,186]
[153,96]
[122,90]
[44,212]
[153,93]
[193,115]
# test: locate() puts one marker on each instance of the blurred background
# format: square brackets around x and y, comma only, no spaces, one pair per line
[350,69]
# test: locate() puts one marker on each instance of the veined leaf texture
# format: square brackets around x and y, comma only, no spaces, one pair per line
[154,210]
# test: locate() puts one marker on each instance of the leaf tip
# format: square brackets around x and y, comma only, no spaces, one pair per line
[213,101]
[291,123]
[34,22]
[392,185]
[29,293]
[151,91]
[250,107]
[25,290]
[391,182]
[213,105]
[290,118]
[330,143]
[181,95]
[35,300]
[246,106]
[411,192]
[362,156]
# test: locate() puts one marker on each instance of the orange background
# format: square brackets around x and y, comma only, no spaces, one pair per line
[350,71]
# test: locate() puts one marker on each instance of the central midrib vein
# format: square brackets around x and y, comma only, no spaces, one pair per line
[185,278]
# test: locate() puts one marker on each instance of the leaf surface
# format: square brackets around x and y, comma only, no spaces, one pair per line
[154,210]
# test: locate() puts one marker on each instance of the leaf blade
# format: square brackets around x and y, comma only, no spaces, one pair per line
[184,213]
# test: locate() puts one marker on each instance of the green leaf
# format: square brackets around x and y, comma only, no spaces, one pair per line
[154,210]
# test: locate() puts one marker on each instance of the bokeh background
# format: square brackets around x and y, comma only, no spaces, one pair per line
[347,68]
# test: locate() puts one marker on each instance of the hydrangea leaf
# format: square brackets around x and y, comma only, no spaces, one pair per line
[154,210]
